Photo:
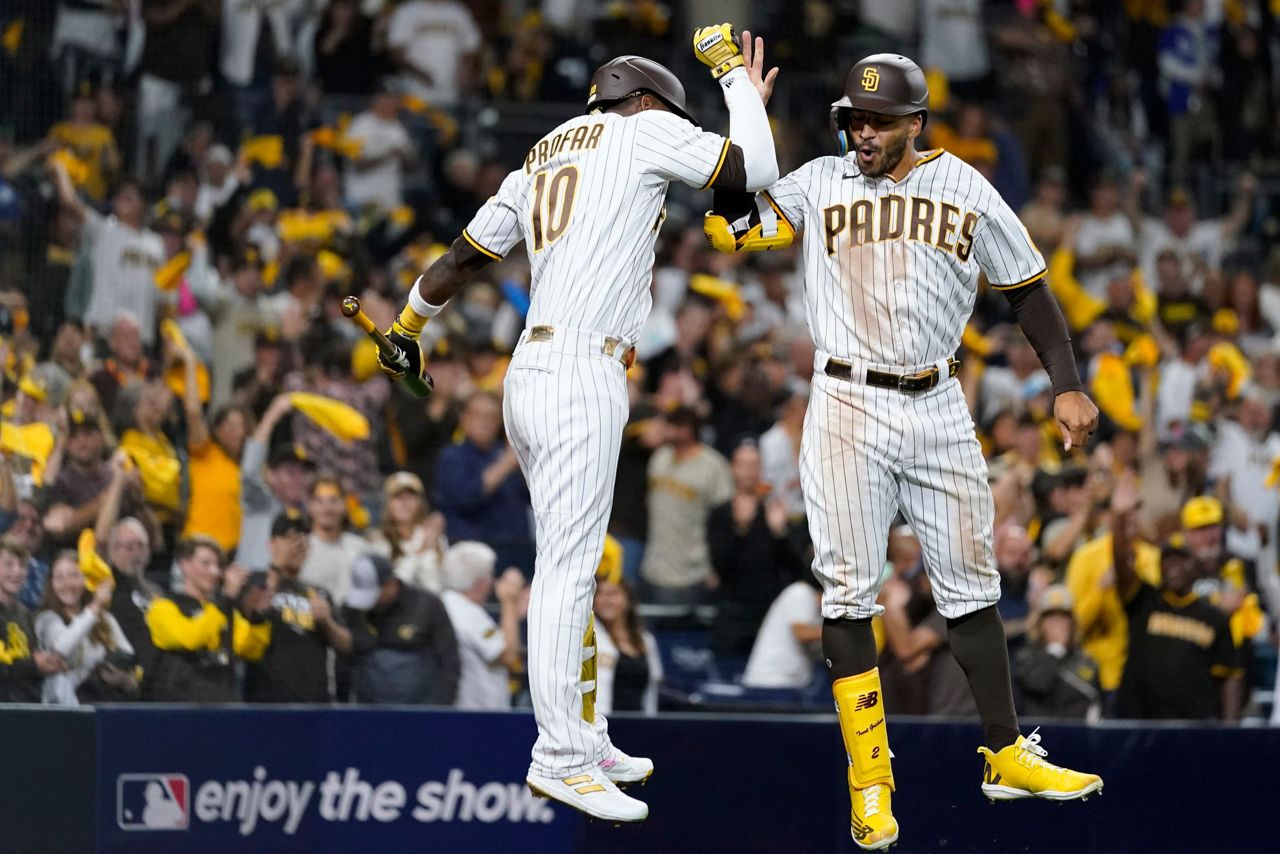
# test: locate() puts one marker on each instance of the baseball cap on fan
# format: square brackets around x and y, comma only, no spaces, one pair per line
[368,574]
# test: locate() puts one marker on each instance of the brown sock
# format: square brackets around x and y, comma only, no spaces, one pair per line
[849,646]
[977,641]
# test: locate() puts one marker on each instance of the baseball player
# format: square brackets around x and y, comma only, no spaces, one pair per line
[588,203]
[894,242]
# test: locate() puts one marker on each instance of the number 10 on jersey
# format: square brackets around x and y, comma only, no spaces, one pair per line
[553,194]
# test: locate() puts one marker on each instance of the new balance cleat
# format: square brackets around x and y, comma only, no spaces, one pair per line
[1021,771]
[871,821]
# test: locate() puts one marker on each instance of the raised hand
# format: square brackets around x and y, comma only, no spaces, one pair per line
[753,60]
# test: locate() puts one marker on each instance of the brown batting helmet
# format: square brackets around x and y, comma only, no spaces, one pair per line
[885,83]
[628,76]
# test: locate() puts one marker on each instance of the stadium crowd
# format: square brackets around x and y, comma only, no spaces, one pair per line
[210,493]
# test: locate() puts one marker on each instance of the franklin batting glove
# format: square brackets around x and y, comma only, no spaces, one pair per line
[718,48]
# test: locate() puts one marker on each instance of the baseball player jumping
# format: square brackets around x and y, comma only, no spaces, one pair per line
[894,241]
[588,203]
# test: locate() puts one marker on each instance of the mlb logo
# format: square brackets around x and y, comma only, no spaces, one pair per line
[153,802]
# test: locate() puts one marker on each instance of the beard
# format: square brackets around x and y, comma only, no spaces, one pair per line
[890,156]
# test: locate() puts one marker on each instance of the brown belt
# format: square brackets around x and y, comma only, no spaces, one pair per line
[908,383]
[614,348]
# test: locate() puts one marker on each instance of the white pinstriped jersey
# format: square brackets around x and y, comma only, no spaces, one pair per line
[891,268]
[588,203]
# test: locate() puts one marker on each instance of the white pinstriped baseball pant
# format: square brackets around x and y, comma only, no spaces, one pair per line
[565,407]
[868,452]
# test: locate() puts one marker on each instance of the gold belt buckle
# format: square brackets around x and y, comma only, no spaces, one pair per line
[542,333]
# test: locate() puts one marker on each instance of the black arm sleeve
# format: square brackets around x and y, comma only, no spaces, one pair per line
[733,204]
[733,172]
[1041,319]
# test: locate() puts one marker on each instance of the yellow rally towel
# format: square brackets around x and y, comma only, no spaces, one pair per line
[170,272]
[33,442]
[722,291]
[1112,389]
[1078,305]
[95,569]
[77,170]
[1143,351]
[265,150]
[176,377]
[610,568]
[159,466]
[334,416]
[1227,361]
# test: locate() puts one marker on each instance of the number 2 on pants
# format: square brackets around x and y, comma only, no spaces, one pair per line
[552,204]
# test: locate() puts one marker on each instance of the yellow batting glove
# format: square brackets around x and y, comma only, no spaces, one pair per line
[718,48]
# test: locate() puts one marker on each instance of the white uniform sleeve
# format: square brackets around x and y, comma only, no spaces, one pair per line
[749,129]
[1004,250]
[674,149]
[789,195]
[496,227]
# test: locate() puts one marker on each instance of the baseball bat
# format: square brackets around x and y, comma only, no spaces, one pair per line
[420,386]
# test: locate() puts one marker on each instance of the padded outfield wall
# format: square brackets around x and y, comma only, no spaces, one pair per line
[141,779]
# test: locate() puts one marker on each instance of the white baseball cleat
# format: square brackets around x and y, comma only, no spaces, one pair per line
[592,793]
[624,770]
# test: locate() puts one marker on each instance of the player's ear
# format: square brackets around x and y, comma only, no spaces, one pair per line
[917,126]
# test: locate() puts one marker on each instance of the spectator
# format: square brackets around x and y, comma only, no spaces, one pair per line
[176,59]
[1198,246]
[1182,662]
[789,642]
[412,535]
[953,41]
[217,182]
[213,464]
[128,555]
[239,314]
[1104,243]
[432,43]
[780,451]
[748,539]
[1183,53]
[1053,677]
[1242,443]
[375,176]
[489,652]
[193,629]
[77,625]
[123,255]
[295,627]
[73,500]
[479,488]
[1015,557]
[153,455]
[686,479]
[23,666]
[404,645]
[263,496]
[90,142]
[918,663]
[254,37]
[25,530]
[345,60]
[333,549]
[628,664]
[124,364]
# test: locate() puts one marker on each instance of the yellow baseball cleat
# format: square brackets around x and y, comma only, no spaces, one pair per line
[871,820]
[1020,771]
